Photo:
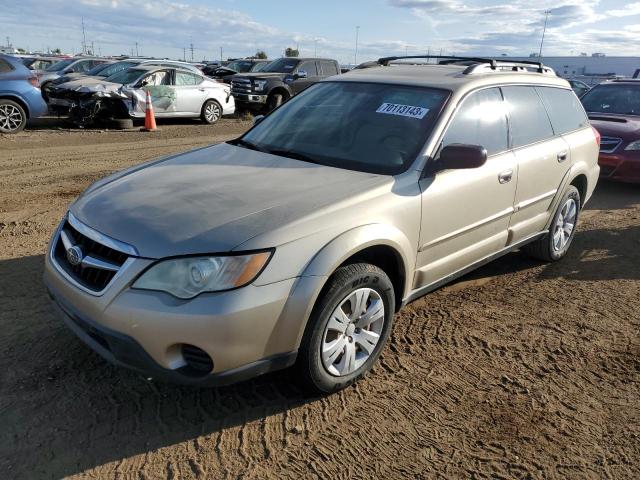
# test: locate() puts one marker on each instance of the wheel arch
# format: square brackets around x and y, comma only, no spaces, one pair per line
[18,100]
[581,183]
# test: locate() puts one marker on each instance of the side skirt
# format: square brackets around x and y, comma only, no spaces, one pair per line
[420,292]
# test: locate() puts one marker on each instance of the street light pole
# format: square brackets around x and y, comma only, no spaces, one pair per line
[544,30]
[355,56]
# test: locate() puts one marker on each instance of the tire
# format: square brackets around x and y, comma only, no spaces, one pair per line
[274,101]
[211,112]
[13,118]
[351,347]
[555,244]
[121,123]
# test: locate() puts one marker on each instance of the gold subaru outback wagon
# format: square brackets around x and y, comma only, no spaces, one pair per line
[296,243]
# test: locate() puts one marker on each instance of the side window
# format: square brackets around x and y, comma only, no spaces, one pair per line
[328,68]
[186,79]
[529,120]
[5,66]
[310,68]
[83,66]
[158,78]
[480,120]
[565,110]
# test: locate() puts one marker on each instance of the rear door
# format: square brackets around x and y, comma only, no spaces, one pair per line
[466,212]
[328,68]
[542,158]
[190,92]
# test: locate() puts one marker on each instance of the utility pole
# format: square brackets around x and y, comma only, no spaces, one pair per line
[184,54]
[137,53]
[315,48]
[220,55]
[355,56]
[428,54]
[8,41]
[84,39]
[192,50]
[544,30]
[93,49]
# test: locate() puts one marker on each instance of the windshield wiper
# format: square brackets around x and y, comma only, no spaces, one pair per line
[249,145]
[294,155]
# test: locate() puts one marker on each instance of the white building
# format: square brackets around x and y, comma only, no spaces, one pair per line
[597,66]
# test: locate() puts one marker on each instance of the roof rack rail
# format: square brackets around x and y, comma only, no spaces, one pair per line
[478,64]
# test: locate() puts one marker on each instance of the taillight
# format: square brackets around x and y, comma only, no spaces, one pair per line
[597,133]
[34,81]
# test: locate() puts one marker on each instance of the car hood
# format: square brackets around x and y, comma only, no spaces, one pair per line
[88,82]
[626,127]
[256,75]
[213,199]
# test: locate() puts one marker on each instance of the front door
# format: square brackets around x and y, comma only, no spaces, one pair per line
[311,69]
[466,212]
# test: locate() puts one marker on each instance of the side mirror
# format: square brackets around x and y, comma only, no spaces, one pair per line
[301,74]
[458,156]
[257,119]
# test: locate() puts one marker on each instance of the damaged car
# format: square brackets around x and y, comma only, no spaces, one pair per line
[175,92]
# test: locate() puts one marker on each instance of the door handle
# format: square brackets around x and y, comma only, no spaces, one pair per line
[506,176]
[562,156]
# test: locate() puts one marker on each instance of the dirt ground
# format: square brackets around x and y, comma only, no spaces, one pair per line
[520,370]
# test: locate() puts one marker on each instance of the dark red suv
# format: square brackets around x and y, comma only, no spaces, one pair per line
[614,110]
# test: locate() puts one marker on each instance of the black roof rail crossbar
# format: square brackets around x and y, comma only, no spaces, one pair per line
[493,62]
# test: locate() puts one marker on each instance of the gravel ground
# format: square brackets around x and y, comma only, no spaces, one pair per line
[519,370]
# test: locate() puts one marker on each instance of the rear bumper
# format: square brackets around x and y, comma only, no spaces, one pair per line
[622,167]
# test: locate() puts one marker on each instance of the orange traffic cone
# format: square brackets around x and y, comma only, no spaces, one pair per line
[149,118]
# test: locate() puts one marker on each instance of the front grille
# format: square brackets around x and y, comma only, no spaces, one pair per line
[609,144]
[240,86]
[96,264]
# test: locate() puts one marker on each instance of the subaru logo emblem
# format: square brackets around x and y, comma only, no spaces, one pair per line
[74,255]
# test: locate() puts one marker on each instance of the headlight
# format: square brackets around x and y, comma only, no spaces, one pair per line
[190,276]
[633,146]
[259,85]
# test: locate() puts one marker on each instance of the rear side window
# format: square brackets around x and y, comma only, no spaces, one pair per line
[184,78]
[5,66]
[328,68]
[565,110]
[529,120]
[310,68]
[480,120]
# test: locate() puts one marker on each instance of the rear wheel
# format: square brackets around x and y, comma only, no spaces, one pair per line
[211,112]
[348,328]
[13,118]
[555,245]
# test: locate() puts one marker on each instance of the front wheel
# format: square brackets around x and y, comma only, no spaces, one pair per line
[555,245]
[348,328]
[13,118]
[211,112]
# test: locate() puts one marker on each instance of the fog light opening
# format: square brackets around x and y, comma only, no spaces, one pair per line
[198,362]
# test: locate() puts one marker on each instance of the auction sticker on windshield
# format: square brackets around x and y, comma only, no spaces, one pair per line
[403,110]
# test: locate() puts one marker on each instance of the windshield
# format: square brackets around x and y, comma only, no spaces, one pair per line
[125,77]
[98,68]
[56,67]
[116,67]
[260,66]
[282,65]
[240,66]
[623,99]
[377,128]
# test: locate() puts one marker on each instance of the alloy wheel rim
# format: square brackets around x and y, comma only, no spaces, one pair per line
[212,112]
[10,118]
[565,225]
[353,332]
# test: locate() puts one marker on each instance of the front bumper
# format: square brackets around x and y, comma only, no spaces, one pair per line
[622,167]
[246,332]
[250,98]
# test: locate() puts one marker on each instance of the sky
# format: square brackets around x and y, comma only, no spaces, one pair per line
[165,28]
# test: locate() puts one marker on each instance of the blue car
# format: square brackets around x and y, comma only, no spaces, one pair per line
[20,95]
